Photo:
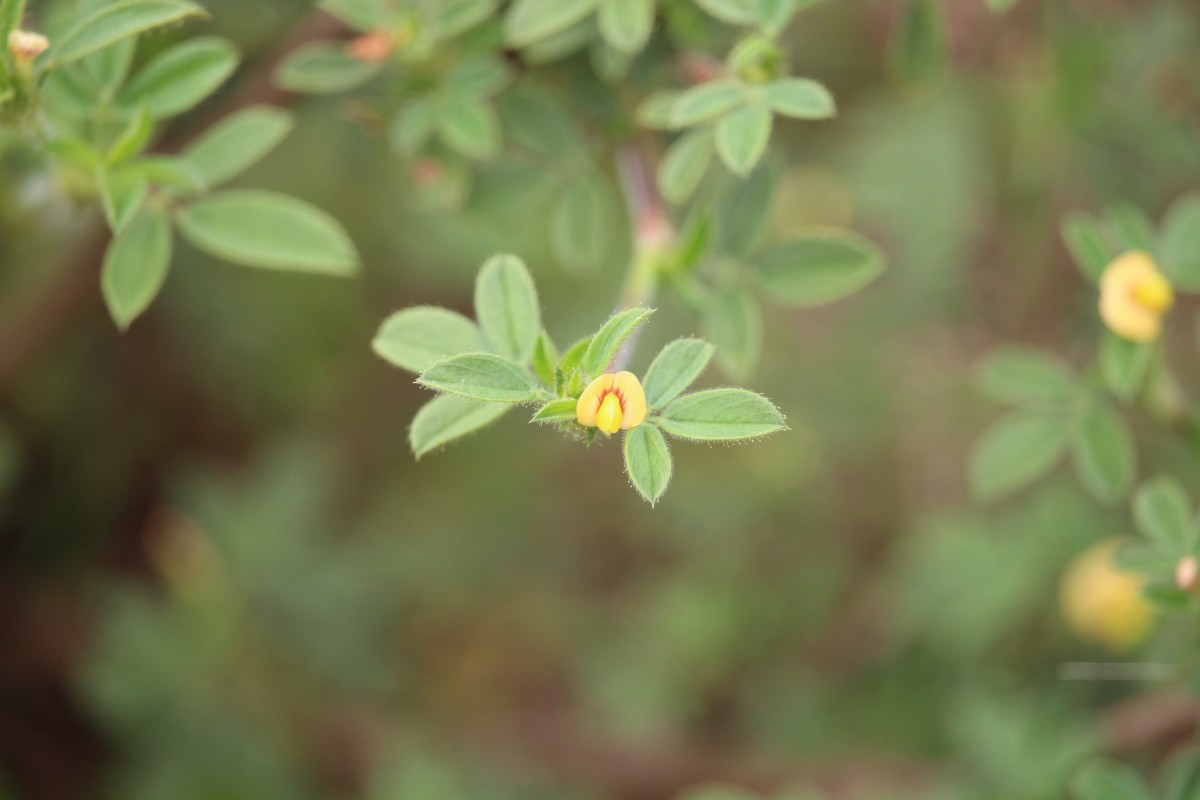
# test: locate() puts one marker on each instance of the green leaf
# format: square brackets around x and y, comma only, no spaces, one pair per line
[469,125]
[264,229]
[122,196]
[416,338]
[1108,780]
[478,76]
[506,305]
[135,266]
[1024,375]
[446,418]
[733,321]
[742,138]
[323,68]
[1000,6]
[800,98]
[1014,452]
[362,15]
[481,376]
[734,12]
[176,173]
[1164,515]
[583,223]
[604,345]
[179,78]
[648,461]
[721,415]
[1131,226]
[562,44]
[1124,365]
[237,142]
[545,361]
[1104,454]
[743,212]
[1179,242]
[413,126]
[573,357]
[458,16]
[626,24]
[11,14]
[529,21]
[815,270]
[1088,244]
[117,21]
[654,112]
[556,411]
[534,121]
[918,53]
[132,139]
[685,164]
[706,101]
[110,66]
[1181,776]
[674,369]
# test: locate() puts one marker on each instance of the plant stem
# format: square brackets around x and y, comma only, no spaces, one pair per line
[652,236]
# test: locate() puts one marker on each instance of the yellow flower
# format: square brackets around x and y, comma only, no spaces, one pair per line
[1134,296]
[612,403]
[1103,604]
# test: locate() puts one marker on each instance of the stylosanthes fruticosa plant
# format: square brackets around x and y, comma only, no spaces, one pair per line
[483,368]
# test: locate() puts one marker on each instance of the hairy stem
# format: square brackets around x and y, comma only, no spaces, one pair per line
[652,235]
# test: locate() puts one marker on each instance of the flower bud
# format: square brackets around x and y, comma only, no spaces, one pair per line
[1187,571]
[26,46]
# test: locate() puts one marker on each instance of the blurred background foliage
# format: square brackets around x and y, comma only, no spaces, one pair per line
[222,575]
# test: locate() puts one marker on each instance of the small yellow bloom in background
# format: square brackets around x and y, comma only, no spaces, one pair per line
[26,46]
[612,403]
[1134,296]
[1103,604]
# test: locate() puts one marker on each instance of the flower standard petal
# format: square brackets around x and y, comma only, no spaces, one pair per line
[633,399]
[1134,295]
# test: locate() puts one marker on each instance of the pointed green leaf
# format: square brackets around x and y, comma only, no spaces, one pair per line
[814,270]
[545,361]
[1014,452]
[674,369]
[416,338]
[626,24]
[458,16]
[648,462]
[1124,365]
[604,345]
[1025,375]
[323,68]
[506,305]
[469,125]
[685,164]
[556,411]
[742,138]
[121,195]
[1108,780]
[1179,242]
[918,53]
[481,376]
[1104,454]
[132,139]
[1088,244]
[264,229]
[800,98]
[135,266]
[180,77]
[116,21]
[721,415]
[413,126]
[1164,515]
[583,223]
[733,322]
[237,142]
[529,21]
[446,418]
[706,101]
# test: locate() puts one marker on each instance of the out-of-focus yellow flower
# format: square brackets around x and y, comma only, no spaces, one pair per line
[1134,296]
[612,403]
[1103,604]
[26,46]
